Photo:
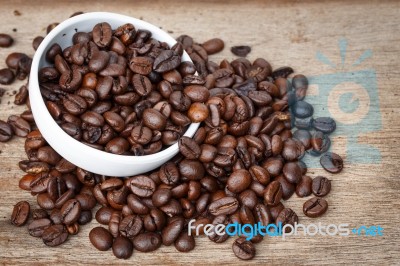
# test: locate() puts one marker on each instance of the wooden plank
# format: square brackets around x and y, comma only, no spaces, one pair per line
[286,33]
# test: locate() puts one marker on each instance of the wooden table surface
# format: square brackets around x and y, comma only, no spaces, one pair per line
[351,51]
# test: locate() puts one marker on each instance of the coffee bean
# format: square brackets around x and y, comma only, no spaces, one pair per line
[332,162]
[103,215]
[320,143]
[315,207]
[324,124]
[292,172]
[101,238]
[39,214]
[303,109]
[153,119]
[282,72]
[147,242]
[70,211]
[304,123]
[20,126]
[189,148]
[6,131]
[172,231]
[238,181]
[37,227]
[21,96]
[20,213]
[166,61]
[130,226]
[223,206]
[273,193]
[303,188]
[185,242]
[142,186]
[85,217]
[242,50]
[55,235]
[102,34]
[321,186]
[117,145]
[6,40]
[122,247]
[36,42]
[243,249]
[304,137]
[287,216]
[198,112]
[213,46]
[6,76]
[287,187]
[141,65]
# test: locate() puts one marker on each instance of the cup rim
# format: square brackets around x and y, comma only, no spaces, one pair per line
[42,115]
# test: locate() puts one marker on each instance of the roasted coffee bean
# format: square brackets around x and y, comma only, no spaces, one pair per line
[48,155]
[20,126]
[243,249]
[292,172]
[238,181]
[331,162]
[262,214]
[73,229]
[189,148]
[166,61]
[275,210]
[142,186]
[303,188]
[102,34]
[21,96]
[113,225]
[287,187]
[287,216]
[101,238]
[321,186]
[198,112]
[300,84]
[122,247]
[6,76]
[304,123]
[223,206]
[37,227]
[303,109]
[141,134]
[324,124]
[147,242]
[161,197]
[304,137]
[172,231]
[155,220]
[191,169]
[282,72]
[117,145]
[315,207]
[320,143]
[153,119]
[20,213]
[185,242]
[55,235]
[6,40]
[103,215]
[130,226]
[87,201]
[273,193]
[85,217]
[70,211]
[6,131]
[242,50]
[213,46]
[44,201]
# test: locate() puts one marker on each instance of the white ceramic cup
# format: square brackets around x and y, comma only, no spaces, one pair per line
[83,156]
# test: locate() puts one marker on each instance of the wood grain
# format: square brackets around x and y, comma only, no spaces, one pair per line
[286,33]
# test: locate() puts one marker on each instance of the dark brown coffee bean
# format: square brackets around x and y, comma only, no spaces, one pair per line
[191,169]
[85,217]
[122,247]
[55,235]
[102,34]
[20,126]
[101,238]
[5,40]
[213,46]
[273,193]
[321,186]
[155,220]
[166,61]
[172,231]
[37,227]
[185,242]
[126,33]
[87,201]
[287,216]
[262,214]
[141,65]
[117,145]
[153,119]
[292,172]
[238,181]
[241,51]
[303,188]
[198,112]
[103,215]
[320,143]
[332,162]
[324,124]
[70,211]
[142,186]
[189,148]
[243,249]
[6,131]
[20,213]
[223,206]
[21,96]
[161,197]
[48,155]
[130,226]
[315,207]
[39,214]
[147,242]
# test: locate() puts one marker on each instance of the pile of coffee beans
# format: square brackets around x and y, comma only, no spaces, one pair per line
[240,166]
